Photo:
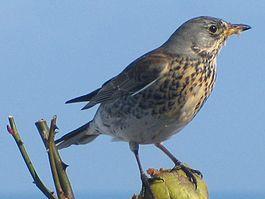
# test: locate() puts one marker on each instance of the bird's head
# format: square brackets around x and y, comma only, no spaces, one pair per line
[203,36]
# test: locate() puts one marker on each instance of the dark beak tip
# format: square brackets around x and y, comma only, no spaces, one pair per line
[245,27]
[241,27]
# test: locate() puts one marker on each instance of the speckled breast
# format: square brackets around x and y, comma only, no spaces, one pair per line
[179,94]
[165,107]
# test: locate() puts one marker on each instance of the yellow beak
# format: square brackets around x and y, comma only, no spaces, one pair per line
[235,29]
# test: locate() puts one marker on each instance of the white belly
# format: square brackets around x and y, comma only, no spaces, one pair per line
[142,131]
[148,129]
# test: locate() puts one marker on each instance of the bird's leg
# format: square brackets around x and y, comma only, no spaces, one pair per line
[178,165]
[145,180]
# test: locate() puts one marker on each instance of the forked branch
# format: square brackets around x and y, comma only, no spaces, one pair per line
[58,168]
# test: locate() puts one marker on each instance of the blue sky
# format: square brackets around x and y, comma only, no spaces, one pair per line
[53,50]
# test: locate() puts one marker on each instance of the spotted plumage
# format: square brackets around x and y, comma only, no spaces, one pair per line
[163,108]
[159,93]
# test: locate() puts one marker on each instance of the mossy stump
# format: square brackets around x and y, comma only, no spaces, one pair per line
[167,184]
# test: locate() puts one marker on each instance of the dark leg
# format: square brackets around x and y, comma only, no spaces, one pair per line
[178,165]
[145,181]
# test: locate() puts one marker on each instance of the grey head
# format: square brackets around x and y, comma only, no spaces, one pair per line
[201,36]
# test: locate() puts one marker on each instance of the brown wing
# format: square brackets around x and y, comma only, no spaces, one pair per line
[136,77]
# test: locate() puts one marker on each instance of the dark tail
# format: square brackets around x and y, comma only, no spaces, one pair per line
[83,98]
[82,135]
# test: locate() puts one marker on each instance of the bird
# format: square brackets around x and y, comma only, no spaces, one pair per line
[159,93]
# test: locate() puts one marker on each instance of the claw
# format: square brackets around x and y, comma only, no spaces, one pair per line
[146,185]
[197,172]
[189,173]
[156,178]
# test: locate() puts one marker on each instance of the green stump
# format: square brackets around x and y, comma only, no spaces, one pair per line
[174,185]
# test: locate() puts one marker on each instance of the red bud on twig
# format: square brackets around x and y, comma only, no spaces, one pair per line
[10,130]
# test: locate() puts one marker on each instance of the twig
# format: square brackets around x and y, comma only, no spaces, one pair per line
[43,130]
[12,129]
[64,180]
[60,165]
[51,153]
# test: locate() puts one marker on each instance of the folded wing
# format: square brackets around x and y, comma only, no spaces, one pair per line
[138,76]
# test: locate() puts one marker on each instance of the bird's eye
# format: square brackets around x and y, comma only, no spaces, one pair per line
[213,28]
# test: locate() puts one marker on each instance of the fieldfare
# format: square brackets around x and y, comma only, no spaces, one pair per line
[159,93]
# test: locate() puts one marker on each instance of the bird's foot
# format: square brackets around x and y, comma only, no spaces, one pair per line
[146,186]
[189,173]
[196,172]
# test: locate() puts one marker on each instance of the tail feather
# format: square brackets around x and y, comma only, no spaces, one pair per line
[82,135]
[83,98]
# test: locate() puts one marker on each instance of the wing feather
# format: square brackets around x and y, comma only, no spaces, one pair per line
[136,77]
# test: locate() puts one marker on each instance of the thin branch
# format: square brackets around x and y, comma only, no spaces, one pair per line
[43,130]
[64,180]
[12,129]
[60,165]
[51,153]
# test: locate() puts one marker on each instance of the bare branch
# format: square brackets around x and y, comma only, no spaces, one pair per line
[12,129]
[60,165]
[51,152]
